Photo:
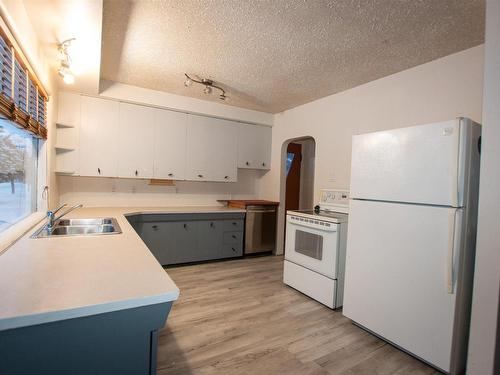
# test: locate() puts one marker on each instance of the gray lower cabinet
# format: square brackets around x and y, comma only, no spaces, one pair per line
[120,342]
[185,238]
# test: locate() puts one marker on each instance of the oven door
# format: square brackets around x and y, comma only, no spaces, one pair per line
[312,247]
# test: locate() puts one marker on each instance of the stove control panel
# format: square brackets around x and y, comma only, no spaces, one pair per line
[336,200]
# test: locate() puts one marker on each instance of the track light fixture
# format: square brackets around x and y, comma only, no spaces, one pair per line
[209,86]
[65,62]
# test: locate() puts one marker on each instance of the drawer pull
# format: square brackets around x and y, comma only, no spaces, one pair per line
[155,227]
[211,225]
[234,250]
[234,236]
[235,223]
[200,176]
[185,226]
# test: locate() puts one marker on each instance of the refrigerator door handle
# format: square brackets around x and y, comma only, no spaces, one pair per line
[454,233]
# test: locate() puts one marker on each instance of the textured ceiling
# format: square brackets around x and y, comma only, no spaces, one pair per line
[277,54]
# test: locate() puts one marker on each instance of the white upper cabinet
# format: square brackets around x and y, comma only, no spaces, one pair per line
[98,137]
[169,145]
[68,109]
[135,141]
[254,146]
[211,149]
[108,138]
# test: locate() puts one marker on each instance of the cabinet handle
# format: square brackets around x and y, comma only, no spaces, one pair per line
[226,177]
[263,164]
[200,176]
[234,236]
[235,223]
[170,174]
[234,250]
[155,227]
[185,226]
[211,225]
[247,163]
[136,173]
[99,170]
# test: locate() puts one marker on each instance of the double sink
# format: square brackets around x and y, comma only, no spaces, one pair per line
[79,227]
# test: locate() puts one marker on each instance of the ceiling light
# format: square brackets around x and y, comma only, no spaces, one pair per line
[209,86]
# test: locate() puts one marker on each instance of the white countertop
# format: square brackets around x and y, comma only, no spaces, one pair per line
[50,279]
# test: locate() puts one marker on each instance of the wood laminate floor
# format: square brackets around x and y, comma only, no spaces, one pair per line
[237,317]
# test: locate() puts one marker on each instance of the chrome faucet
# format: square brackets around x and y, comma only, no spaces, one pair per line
[51,219]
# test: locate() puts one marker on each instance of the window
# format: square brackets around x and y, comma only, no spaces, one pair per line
[18,174]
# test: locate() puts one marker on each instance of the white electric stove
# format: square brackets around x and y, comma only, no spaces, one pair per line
[315,247]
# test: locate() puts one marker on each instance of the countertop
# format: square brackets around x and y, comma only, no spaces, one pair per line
[243,203]
[50,279]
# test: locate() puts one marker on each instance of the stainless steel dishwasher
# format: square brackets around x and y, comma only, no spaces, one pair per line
[260,229]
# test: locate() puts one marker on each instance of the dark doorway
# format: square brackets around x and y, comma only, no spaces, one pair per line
[293,164]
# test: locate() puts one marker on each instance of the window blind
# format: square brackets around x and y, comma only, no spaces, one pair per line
[5,68]
[32,100]
[20,87]
[23,99]
[41,110]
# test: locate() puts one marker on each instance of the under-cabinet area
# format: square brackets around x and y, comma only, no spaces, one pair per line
[97,137]
[178,238]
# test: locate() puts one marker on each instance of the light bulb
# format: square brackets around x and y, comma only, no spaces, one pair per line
[188,82]
[68,78]
[207,90]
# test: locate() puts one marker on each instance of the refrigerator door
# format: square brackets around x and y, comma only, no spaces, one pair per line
[401,275]
[419,164]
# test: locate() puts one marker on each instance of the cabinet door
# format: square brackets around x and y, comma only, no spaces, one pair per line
[199,146]
[170,145]
[135,141]
[68,109]
[254,146]
[156,235]
[210,239]
[224,151]
[182,243]
[211,149]
[98,134]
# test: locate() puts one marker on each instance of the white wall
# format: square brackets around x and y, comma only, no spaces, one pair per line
[439,90]
[485,310]
[141,95]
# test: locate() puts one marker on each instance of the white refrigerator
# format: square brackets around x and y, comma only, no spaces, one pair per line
[411,238]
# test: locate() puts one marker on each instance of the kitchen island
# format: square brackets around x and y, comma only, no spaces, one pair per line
[85,304]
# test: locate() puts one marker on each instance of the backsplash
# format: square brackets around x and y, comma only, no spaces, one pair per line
[115,192]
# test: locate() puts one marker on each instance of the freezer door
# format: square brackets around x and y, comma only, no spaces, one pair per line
[419,164]
[401,275]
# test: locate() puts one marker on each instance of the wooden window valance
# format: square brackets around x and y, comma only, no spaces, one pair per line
[23,99]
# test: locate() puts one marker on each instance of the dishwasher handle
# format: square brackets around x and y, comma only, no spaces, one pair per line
[258,209]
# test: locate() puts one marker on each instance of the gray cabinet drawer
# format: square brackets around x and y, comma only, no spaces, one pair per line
[233,237]
[232,250]
[234,225]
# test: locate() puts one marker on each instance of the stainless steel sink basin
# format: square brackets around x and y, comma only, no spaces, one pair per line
[80,227]
[70,222]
